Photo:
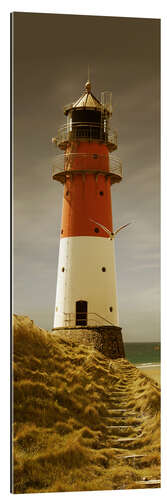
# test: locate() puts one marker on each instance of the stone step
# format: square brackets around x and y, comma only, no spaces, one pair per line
[119,400]
[149,482]
[116,404]
[121,397]
[121,433]
[123,445]
[122,393]
[123,418]
[122,439]
[120,416]
[125,375]
[134,457]
[122,422]
[123,427]
[116,410]
[128,371]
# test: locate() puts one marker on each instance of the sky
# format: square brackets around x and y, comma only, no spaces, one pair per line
[51,57]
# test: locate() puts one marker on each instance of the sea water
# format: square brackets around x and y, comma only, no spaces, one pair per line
[142,352]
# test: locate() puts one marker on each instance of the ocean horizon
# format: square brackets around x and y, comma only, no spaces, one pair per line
[143,353]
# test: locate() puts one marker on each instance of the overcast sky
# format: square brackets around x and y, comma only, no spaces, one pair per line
[51,57]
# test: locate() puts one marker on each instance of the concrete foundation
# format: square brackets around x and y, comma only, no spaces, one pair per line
[106,339]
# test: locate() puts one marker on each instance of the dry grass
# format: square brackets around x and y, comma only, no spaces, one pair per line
[66,399]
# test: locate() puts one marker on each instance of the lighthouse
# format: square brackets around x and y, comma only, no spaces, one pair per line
[86,294]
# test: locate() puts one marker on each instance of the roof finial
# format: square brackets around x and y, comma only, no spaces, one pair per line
[88,85]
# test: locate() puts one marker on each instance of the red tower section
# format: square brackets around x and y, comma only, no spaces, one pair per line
[88,169]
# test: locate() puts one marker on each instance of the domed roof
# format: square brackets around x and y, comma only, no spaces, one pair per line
[87,100]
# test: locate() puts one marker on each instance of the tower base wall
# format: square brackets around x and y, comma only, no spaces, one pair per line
[106,339]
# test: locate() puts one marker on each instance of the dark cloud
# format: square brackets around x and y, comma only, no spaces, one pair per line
[51,57]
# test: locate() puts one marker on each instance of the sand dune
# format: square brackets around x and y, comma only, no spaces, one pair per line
[81,421]
[151,371]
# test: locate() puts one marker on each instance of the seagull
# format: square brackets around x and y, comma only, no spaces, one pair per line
[111,235]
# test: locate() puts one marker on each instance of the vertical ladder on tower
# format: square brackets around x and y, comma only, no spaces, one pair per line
[106,106]
[106,101]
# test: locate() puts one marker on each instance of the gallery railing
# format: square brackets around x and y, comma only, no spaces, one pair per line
[81,131]
[87,163]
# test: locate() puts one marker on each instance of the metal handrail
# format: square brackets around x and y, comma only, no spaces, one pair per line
[72,316]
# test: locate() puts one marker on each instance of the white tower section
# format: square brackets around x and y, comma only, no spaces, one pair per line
[86,272]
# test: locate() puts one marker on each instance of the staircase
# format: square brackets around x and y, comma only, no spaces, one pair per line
[125,438]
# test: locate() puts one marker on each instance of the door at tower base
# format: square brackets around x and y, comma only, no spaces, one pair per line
[86,283]
[81,312]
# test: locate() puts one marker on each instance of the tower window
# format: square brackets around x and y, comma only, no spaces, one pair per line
[103,269]
[101,193]
[110,308]
[63,269]
[62,231]
[95,156]
[96,230]
[67,193]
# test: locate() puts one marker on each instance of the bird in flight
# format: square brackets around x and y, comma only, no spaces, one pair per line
[111,235]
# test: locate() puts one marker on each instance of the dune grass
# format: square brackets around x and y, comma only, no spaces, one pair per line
[66,398]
